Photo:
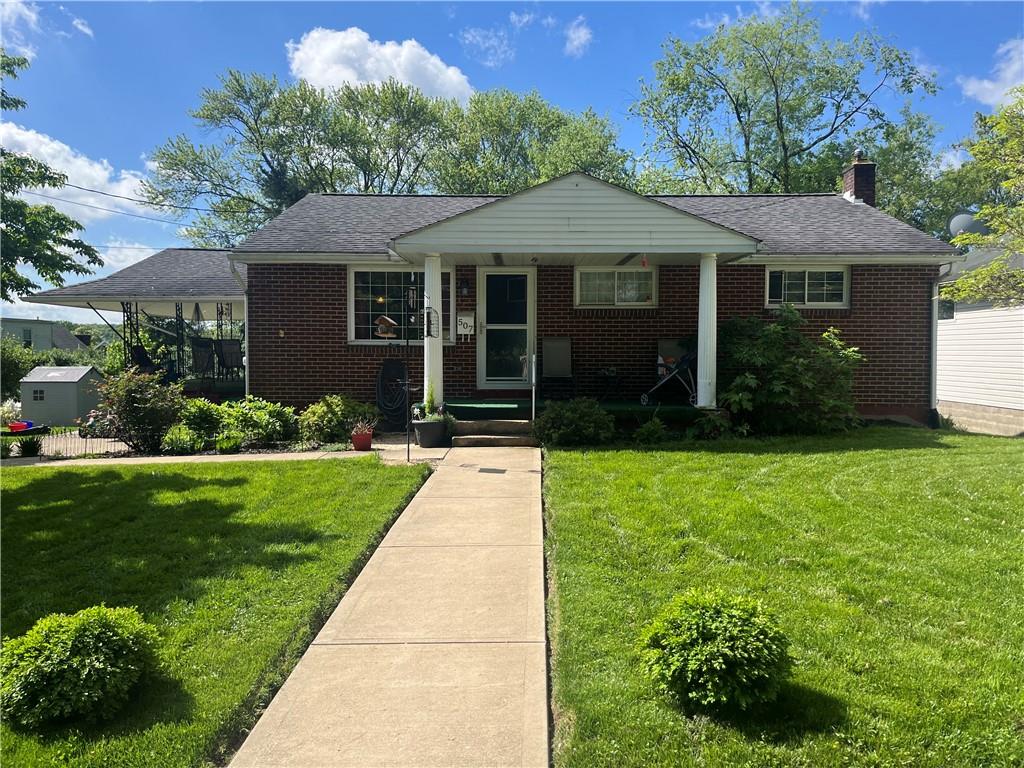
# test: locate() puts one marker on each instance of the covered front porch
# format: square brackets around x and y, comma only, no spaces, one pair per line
[571,268]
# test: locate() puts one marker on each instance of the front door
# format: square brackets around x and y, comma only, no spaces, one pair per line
[506,298]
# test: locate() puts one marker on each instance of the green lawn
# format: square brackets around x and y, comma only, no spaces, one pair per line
[235,563]
[891,556]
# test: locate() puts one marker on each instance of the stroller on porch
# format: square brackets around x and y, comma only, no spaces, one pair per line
[676,361]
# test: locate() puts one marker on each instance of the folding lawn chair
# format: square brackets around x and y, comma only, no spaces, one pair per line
[675,361]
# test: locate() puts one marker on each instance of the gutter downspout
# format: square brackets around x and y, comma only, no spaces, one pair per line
[245,313]
[934,357]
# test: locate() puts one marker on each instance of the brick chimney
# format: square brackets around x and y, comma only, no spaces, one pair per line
[859,179]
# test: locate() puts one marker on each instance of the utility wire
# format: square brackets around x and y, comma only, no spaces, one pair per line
[101,208]
[144,202]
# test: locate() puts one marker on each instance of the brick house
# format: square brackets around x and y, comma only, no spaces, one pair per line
[579,259]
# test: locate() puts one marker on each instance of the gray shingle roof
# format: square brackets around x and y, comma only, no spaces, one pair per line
[174,273]
[46,373]
[785,224]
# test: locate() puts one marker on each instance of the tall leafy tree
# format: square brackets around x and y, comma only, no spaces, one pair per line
[998,151]
[502,142]
[35,236]
[744,108]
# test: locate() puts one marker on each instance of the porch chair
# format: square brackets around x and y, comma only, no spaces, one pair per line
[229,356]
[556,367]
[202,357]
[676,361]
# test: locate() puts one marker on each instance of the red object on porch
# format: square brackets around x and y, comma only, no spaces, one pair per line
[19,426]
[361,441]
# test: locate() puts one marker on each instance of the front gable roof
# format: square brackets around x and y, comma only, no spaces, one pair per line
[573,214]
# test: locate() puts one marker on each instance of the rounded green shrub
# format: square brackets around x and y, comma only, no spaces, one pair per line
[260,421]
[330,419]
[202,417]
[651,432]
[715,650]
[78,666]
[574,422]
[180,440]
[229,441]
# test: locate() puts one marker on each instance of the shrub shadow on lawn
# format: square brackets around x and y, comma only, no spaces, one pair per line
[145,539]
[798,711]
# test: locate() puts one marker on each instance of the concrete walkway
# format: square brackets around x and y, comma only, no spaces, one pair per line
[436,655]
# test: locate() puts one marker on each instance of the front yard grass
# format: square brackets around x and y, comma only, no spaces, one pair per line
[235,563]
[892,558]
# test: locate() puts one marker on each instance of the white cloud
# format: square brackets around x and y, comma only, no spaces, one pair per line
[118,253]
[764,8]
[521,20]
[1007,73]
[952,158]
[709,21]
[82,26]
[17,19]
[490,47]
[80,170]
[862,8]
[549,22]
[578,37]
[328,58]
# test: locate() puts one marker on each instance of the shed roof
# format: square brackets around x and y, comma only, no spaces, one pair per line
[46,374]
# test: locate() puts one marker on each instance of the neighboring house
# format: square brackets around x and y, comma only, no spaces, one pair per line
[980,362]
[40,334]
[576,258]
[59,395]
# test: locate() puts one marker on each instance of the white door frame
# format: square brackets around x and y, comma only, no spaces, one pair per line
[481,323]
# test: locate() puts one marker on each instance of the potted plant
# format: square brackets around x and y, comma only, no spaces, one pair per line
[433,426]
[362,434]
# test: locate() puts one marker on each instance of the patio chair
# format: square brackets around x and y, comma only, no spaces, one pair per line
[202,357]
[391,382]
[556,375]
[229,356]
[676,361]
[142,360]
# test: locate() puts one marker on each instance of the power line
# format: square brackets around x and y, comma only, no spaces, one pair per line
[101,208]
[144,202]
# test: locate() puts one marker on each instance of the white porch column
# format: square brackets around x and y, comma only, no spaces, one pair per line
[433,347]
[707,331]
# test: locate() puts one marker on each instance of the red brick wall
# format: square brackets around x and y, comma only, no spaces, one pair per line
[298,346]
[889,319]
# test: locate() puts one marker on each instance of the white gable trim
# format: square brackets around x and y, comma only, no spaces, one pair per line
[574,214]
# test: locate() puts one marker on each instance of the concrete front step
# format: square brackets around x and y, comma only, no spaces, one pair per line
[492,427]
[493,441]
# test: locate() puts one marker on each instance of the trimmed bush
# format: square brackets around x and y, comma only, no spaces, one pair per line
[260,421]
[182,441]
[651,432]
[574,422]
[83,665]
[714,650]
[774,379]
[330,419]
[229,442]
[203,417]
[139,409]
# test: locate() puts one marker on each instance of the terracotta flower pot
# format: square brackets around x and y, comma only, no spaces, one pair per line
[361,441]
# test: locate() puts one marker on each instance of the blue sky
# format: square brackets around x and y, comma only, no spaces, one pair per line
[111,81]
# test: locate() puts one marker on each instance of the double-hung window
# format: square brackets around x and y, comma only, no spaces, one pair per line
[397,294]
[820,287]
[616,287]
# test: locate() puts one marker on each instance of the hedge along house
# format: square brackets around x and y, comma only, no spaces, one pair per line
[579,259]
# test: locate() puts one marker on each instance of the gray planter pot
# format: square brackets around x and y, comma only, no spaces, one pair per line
[431,434]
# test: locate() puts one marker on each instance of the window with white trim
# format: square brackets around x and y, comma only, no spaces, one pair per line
[38,395]
[821,287]
[396,293]
[616,287]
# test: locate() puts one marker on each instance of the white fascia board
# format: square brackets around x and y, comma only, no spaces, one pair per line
[291,257]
